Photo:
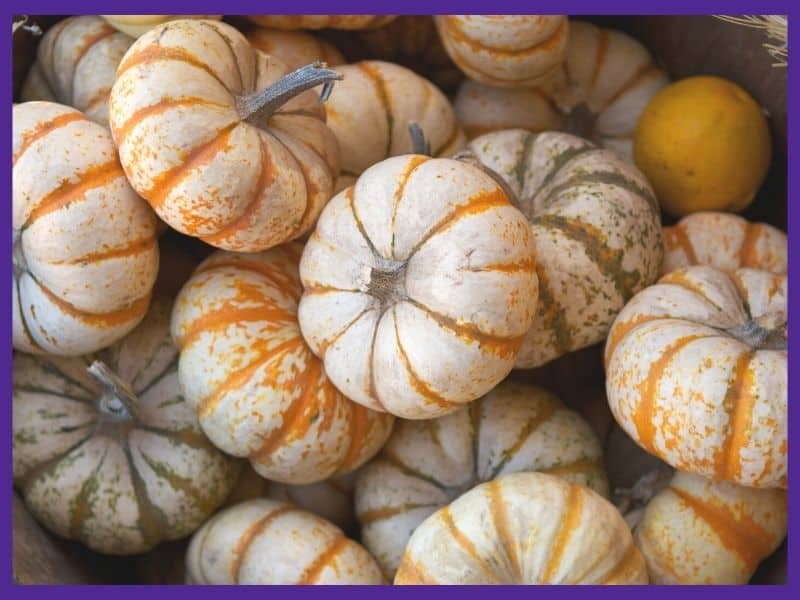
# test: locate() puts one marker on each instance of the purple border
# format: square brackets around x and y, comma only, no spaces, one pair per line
[231,7]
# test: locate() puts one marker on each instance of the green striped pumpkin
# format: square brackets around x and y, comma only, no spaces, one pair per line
[115,460]
[597,233]
[427,464]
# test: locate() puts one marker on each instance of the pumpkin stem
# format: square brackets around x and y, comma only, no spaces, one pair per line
[468,156]
[765,332]
[419,145]
[387,285]
[259,106]
[118,400]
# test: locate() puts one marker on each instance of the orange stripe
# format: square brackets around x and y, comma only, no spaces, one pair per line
[628,565]
[157,108]
[676,237]
[278,279]
[620,330]
[224,316]
[90,40]
[42,129]
[679,278]
[314,570]
[739,403]
[380,514]
[411,572]
[584,465]
[643,73]
[522,266]
[547,410]
[250,534]
[499,514]
[132,249]
[94,177]
[155,52]
[99,97]
[446,519]
[748,253]
[411,166]
[359,422]
[100,320]
[570,521]
[455,32]
[323,345]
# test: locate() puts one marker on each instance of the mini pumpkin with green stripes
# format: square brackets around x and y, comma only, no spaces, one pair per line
[524,529]
[76,61]
[703,532]
[267,542]
[427,464]
[258,390]
[219,139]
[696,373]
[106,450]
[596,229]
[85,253]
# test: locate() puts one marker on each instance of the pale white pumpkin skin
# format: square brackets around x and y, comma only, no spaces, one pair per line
[694,395]
[524,528]
[294,48]
[505,50]
[427,464]
[258,390]
[724,241]
[419,286]
[85,253]
[701,532]
[119,484]
[291,22]
[371,108]
[264,541]
[76,61]
[596,229]
[136,25]
[205,171]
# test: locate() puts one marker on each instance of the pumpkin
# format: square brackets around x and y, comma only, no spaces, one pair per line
[264,541]
[428,464]
[599,92]
[331,499]
[290,22]
[75,65]
[258,390]
[294,48]
[370,111]
[136,25]
[419,285]
[235,157]
[85,254]
[704,532]
[596,230]
[724,241]
[505,50]
[697,374]
[523,528]
[106,450]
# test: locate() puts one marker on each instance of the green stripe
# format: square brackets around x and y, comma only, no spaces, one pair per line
[614,178]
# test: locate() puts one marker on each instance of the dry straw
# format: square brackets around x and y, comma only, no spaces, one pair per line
[775,28]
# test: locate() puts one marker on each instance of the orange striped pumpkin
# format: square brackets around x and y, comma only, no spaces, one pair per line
[724,241]
[331,499]
[523,528]
[258,390]
[599,92]
[238,182]
[701,532]
[294,48]
[697,373]
[116,461]
[419,285]
[136,25]
[76,61]
[263,542]
[505,50]
[596,228]
[85,254]
[370,110]
[428,464]
[290,22]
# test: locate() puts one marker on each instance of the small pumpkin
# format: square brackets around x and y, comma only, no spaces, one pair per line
[523,528]
[702,532]
[331,499]
[419,285]
[599,92]
[85,253]
[262,542]
[106,450]
[236,157]
[596,231]
[294,48]
[697,373]
[290,22]
[505,50]
[136,25]
[724,241]
[258,390]
[76,61]
[428,464]
[370,111]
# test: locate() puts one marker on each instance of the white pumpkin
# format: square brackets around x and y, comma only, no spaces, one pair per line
[137,25]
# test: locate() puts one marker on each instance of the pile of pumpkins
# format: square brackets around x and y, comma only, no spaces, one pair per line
[384,259]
